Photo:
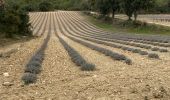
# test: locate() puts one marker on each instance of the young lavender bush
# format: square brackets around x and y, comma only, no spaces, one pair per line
[128,61]
[155,49]
[143,52]
[153,55]
[88,67]
[163,50]
[29,78]
[112,54]
[34,67]
[77,58]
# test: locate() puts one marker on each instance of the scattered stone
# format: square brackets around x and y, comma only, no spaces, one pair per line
[6,74]
[7,84]
[95,76]
[10,65]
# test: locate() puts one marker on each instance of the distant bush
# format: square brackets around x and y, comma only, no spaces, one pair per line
[45,6]
[30,7]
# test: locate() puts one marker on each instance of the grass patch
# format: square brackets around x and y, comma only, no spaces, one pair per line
[122,26]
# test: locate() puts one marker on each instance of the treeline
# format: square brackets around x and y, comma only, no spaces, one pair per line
[14,20]
[157,6]
[162,6]
[49,5]
[129,7]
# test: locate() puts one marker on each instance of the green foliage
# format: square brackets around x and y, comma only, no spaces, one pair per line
[128,7]
[131,7]
[45,6]
[103,6]
[115,6]
[24,26]
[121,26]
[14,20]
[162,6]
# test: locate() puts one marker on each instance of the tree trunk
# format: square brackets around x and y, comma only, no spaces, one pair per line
[129,18]
[2,3]
[135,15]
[113,15]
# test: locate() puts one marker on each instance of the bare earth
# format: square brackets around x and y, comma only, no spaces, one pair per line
[61,79]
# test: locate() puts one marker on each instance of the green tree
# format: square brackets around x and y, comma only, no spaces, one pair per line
[24,26]
[134,6]
[103,6]
[115,6]
[139,5]
[92,4]
[14,20]
[168,6]
[45,6]
[128,8]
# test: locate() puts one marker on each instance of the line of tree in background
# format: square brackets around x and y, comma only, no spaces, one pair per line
[159,6]
[129,7]
[104,7]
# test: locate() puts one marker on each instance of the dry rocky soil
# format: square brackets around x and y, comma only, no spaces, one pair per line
[60,78]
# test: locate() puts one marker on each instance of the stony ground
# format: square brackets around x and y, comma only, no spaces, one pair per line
[61,79]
